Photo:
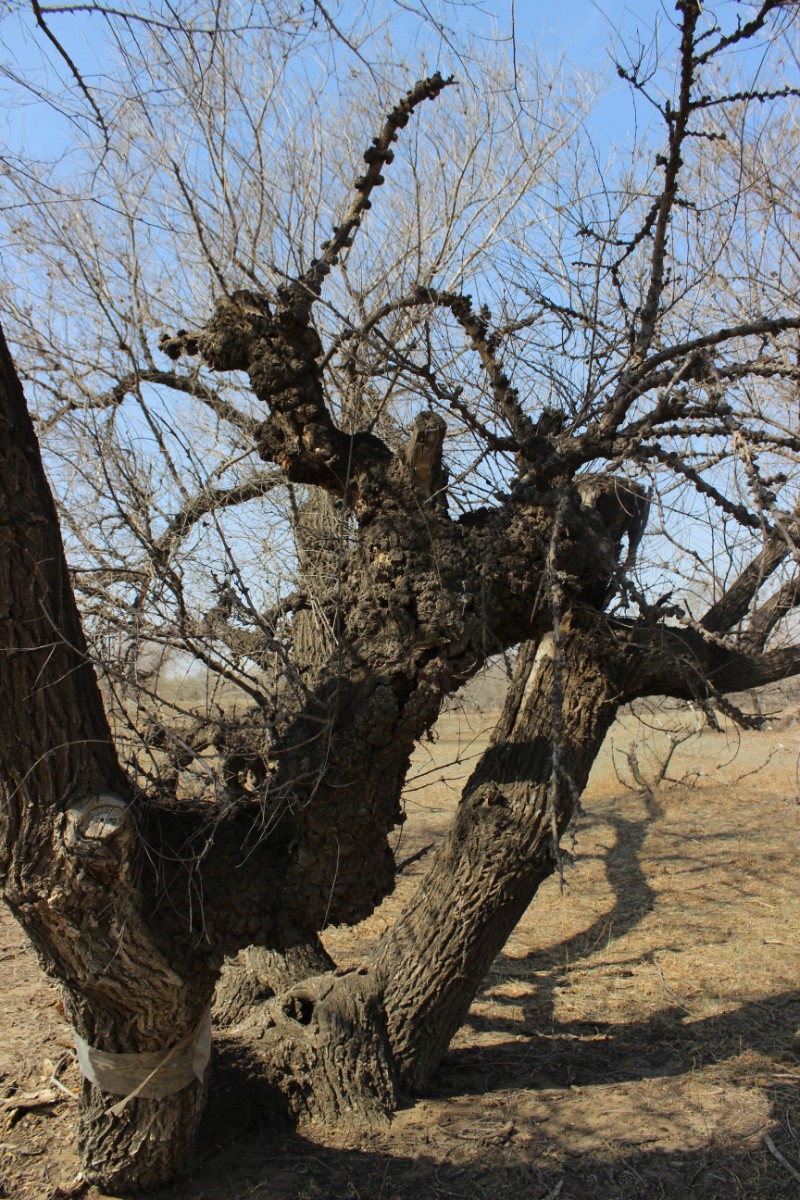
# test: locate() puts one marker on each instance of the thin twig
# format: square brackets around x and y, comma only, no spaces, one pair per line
[775,1152]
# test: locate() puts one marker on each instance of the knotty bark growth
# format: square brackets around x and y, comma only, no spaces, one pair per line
[442,512]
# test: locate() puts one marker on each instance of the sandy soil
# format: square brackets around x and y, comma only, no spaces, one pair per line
[638,1037]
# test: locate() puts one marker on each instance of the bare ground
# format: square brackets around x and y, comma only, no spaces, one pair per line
[638,1037]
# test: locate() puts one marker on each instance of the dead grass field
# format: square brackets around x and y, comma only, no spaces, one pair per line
[638,1037]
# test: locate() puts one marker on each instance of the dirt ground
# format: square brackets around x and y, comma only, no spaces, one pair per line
[638,1037]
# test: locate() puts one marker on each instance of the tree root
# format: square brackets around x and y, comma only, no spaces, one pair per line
[322,1044]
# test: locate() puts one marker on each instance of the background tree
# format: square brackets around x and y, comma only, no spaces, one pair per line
[294,453]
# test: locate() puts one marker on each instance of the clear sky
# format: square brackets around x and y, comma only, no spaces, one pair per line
[579,31]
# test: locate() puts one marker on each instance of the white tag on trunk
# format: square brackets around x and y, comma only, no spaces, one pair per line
[151,1075]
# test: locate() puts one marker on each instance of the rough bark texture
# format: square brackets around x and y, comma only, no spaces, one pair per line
[258,974]
[425,972]
[425,600]
[323,1045]
[422,601]
[68,839]
[133,901]
[145,1145]
[502,844]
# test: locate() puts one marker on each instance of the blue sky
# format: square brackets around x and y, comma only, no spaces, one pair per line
[580,31]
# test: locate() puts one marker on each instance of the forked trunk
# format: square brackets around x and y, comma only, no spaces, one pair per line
[416,990]
[258,974]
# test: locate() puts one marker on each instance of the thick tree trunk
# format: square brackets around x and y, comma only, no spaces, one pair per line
[323,1045]
[137,965]
[503,843]
[417,988]
[69,845]
[320,526]
[258,974]
[142,1147]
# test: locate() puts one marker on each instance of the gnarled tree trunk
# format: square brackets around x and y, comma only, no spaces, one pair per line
[69,846]
[420,981]
[500,847]
[258,974]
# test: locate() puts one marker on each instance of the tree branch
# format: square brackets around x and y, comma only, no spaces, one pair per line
[76,75]
[767,615]
[476,327]
[303,292]
[221,408]
[653,659]
[212,500]
[671,459]
[765,326]
[735,603]
[742,32]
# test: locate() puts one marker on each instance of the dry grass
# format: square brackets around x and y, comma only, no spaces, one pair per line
[638,1037]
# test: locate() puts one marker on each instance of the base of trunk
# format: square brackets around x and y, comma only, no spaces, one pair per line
[145,1145]
[323,1045]
[257,974]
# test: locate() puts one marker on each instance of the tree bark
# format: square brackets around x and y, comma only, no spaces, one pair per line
[258,974]
[69,846]
[131,904]
[502,844]
[323,1045]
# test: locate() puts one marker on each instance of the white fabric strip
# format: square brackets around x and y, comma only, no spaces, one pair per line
[153,1074]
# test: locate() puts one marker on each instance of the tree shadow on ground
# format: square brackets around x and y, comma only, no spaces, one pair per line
[247,1149]
[633,900]
[714,1173]
[244,1154]
[633,897]
[583,1052]
[586,1053]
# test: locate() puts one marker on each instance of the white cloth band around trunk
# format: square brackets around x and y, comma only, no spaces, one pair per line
[151,1075]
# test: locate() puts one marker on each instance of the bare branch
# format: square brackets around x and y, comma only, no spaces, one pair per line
[380,154]
[671,459]
[76,74]
[742,33]
[737,599]
[213,500]
[762,327]
[187,384]
[767,615]
[476,327]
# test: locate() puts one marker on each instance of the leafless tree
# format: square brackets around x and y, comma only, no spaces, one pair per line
[291,450]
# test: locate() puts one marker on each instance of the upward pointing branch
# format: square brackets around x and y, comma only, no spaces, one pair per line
[303,292]
[743,31]
[677,121]
[734,605]
[484,343]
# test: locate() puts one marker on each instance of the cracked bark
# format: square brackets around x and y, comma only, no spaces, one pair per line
[502,845]
[426,970]
[426,599]
[68,839]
